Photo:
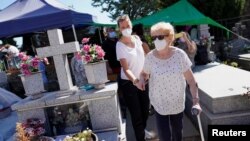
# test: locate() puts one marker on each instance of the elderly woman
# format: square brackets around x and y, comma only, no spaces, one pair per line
[131,56]
[168,68]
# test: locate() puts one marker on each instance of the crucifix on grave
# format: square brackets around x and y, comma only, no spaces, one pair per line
[59,50]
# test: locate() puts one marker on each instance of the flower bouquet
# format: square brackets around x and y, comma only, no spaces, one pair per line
[95,65]
[28,64]
[91,52]
[86,135]
[30,130]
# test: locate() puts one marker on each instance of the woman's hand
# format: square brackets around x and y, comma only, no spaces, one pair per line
[140,84]
[197,107]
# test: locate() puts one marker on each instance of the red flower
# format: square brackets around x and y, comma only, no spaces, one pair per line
[35,63]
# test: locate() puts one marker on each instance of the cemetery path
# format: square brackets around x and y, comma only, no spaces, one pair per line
[190,133]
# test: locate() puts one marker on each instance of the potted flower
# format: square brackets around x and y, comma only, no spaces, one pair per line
[31,130]
[86,135]
[95,65]
[31,76]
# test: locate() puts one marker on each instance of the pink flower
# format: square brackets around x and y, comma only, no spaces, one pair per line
[25,58]
[98,48]
[100,54]
[21,55]
[24,66]
[85,40]
[86,48]
[87,58]
[35,63]
[26,72]
[78,56]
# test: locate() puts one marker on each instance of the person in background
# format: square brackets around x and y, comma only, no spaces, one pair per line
[138,30]
[109,47]
[189,46]
[77,66]
[168,68]
[130,53]
[12,55]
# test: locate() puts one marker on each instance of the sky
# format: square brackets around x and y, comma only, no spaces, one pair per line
[79,5]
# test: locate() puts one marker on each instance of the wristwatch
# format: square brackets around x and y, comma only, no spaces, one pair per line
[135,81]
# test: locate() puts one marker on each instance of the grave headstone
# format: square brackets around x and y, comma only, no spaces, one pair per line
[59,50]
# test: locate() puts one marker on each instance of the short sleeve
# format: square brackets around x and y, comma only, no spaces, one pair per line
[147,64]
[185,61]
[138,40]
[120,52]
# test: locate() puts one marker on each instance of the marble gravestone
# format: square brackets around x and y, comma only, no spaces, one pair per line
[103,105]
[59,50]
[103,108]
[221,90]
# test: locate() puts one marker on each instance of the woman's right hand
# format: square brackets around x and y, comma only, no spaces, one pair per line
[140,85]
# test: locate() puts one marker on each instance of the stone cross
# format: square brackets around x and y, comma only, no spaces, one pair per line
[59,50]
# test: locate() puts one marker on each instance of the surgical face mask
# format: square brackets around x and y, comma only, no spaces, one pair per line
[112,34]
[160,44]
[127,32]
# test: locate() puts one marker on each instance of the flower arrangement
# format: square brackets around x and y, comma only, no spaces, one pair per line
[30,129]
[91,53]
[28,64]
[86,135]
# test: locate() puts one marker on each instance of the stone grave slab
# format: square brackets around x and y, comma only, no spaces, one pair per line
[222,86]
[221,89]
[103,106]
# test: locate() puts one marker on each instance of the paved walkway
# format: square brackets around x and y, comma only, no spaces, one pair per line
[190,133]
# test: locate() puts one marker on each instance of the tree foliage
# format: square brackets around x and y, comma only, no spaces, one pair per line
[216,9]
[134,8]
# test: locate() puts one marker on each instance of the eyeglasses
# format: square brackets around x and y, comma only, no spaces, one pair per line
[159,37]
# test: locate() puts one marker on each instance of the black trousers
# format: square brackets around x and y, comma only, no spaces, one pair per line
[137,102]
[169,127]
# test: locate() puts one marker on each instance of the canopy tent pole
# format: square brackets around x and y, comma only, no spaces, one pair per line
[74,32]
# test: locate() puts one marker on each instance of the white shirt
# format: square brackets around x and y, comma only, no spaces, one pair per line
[134,57]
[167,83]
[12,50]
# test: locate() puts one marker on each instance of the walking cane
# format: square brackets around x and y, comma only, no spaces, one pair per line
[195,112]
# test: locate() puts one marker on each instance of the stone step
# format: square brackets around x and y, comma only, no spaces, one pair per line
[8,126]
[221,88]
[190,133]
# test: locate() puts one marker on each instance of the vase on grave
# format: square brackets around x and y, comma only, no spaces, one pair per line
[96,74]
[33,85]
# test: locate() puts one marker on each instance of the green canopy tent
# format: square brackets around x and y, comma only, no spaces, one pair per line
[180,13]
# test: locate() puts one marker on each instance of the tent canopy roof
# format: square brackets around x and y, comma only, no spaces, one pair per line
[180,13]
[24,16]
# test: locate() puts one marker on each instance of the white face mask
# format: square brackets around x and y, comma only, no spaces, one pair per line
[127,32]
[112,34]
[160,44]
